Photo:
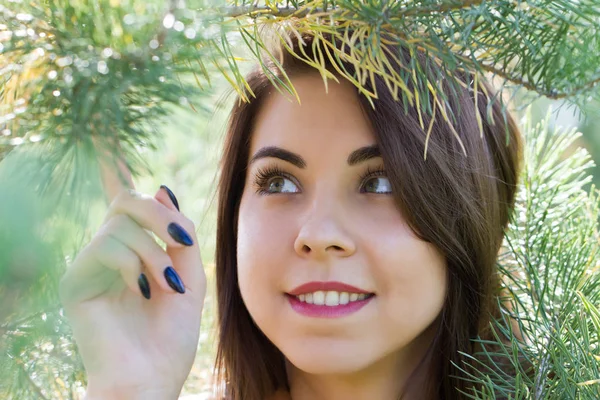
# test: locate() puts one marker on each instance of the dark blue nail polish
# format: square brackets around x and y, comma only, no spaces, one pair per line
[144,285]
[171,196]
[174,280]
[179,234]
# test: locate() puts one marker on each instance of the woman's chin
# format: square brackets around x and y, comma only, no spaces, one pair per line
[331,363]
[325,369]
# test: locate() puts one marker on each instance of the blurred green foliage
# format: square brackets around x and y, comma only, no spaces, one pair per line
[44,221]
[40,235]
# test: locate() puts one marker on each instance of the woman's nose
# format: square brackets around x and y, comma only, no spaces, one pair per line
[324,233]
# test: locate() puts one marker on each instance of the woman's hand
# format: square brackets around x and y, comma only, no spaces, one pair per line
[132,346]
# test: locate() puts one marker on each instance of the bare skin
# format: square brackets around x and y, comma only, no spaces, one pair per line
[316,215]
[133,347]
[325,228]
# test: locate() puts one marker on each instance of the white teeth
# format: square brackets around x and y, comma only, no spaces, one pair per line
[309,298]
[330,298]
[319,298]
[344,298]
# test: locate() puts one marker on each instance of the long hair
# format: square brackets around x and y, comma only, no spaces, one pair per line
[461,204]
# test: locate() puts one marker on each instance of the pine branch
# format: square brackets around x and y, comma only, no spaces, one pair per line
[549,268]
[77,75]
[553,93]
[32,385]
[460,35]
[253,10]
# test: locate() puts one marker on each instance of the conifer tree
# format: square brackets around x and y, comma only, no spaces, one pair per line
[80,78]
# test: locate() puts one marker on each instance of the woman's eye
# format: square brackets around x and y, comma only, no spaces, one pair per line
[280,184]
[378,184]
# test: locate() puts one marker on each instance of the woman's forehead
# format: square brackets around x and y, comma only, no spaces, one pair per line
[323,119]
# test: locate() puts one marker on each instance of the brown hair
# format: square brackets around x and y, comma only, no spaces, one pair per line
[460,203]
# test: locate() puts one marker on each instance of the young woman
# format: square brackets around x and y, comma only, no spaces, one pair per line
[348,266]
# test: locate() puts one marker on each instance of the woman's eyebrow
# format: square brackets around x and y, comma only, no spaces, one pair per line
[363,154]
[357,156]
[282,154]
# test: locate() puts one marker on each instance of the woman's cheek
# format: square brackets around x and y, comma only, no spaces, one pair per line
[402,264]
[263,240]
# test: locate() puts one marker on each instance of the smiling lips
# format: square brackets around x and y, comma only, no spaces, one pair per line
[328,299]
[312,287]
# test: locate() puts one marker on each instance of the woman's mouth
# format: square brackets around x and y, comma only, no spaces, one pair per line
[330,304]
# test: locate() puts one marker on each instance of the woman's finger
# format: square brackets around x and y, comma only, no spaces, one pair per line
[187,261]
[116,176]
[170,226]
[157,262]
[167,198]
[105,264]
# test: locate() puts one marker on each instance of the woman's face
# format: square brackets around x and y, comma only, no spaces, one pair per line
[317,207]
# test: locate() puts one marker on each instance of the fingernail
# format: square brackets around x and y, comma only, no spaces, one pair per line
[174,280]
[179,234]
[144,286]
[171,196]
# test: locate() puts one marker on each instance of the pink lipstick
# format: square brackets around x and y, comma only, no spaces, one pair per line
[323,311]
[325,286]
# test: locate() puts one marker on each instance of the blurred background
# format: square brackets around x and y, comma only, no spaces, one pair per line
[39,236]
